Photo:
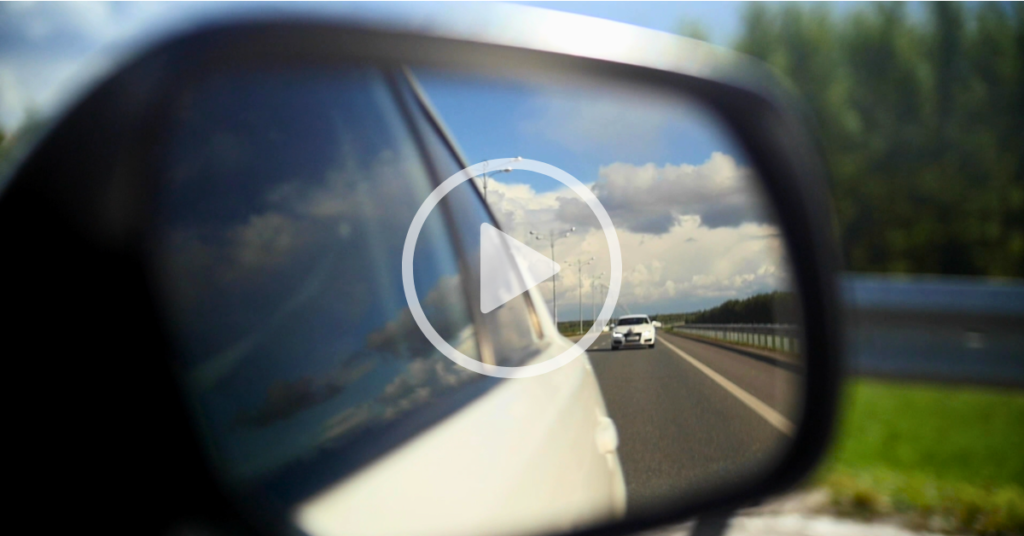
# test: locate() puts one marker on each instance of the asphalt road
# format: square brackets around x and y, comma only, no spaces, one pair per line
[681,432]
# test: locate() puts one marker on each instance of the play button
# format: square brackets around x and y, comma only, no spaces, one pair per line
[508,268]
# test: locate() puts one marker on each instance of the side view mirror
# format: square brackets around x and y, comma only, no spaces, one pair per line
[656,324]
[330,320]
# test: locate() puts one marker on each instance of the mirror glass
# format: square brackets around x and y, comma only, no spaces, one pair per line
[284,213]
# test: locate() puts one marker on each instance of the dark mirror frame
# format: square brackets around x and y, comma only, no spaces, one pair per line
[75,217]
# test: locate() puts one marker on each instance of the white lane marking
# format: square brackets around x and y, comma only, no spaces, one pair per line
[773,417]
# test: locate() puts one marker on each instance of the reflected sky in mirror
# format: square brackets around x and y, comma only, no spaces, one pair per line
[693,223]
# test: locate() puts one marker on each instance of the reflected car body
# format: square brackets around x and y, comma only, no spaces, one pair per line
[633,330]
[496,466]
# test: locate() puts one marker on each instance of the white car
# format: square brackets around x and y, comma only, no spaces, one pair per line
[633,330]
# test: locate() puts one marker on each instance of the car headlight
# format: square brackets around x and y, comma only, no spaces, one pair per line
[619,335]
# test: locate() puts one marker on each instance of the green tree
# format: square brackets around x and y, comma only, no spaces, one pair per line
[921,122]
[768,308]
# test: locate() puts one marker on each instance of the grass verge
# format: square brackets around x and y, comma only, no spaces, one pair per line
[937,457]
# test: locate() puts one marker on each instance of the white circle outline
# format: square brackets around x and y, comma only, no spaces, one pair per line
[497,371]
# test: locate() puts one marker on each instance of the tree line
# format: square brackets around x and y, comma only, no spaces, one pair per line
[920,112]
[768,308]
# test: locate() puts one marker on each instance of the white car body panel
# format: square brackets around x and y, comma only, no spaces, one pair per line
[531,455]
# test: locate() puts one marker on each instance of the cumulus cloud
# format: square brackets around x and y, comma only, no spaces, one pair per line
[266,239]
[690,235]
[684,269]
[290,250]
[516,205]
[651,199]
[401,336]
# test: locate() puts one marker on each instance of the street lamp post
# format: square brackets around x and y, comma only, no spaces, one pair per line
[593,292]
[551,237]
[579,264]
[486,176]
[506,170]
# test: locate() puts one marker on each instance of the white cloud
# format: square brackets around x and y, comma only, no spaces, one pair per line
[688,265]
[683,262]
[518,207]
[650,199]
[266,239]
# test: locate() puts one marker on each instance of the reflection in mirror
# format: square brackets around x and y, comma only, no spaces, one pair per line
[281,271]
[284,206]
[708,398]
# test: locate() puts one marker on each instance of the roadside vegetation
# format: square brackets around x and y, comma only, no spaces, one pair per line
[767,308]
[937,457]
[571,328]
[920,112]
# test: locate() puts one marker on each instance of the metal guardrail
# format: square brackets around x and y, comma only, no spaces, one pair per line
[776,337]
[955,329]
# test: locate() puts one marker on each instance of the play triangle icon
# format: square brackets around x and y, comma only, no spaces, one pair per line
[508,268]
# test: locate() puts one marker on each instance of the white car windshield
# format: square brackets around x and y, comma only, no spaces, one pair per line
[632,321]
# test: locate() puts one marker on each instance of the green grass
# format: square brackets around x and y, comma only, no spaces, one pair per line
[947,458]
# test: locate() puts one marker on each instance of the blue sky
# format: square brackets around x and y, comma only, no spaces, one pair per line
[676,184]
[570,128]
[721,20]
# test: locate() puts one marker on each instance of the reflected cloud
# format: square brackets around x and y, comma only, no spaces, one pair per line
[285,398]
[650,199]
[688,233]
[402,337]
